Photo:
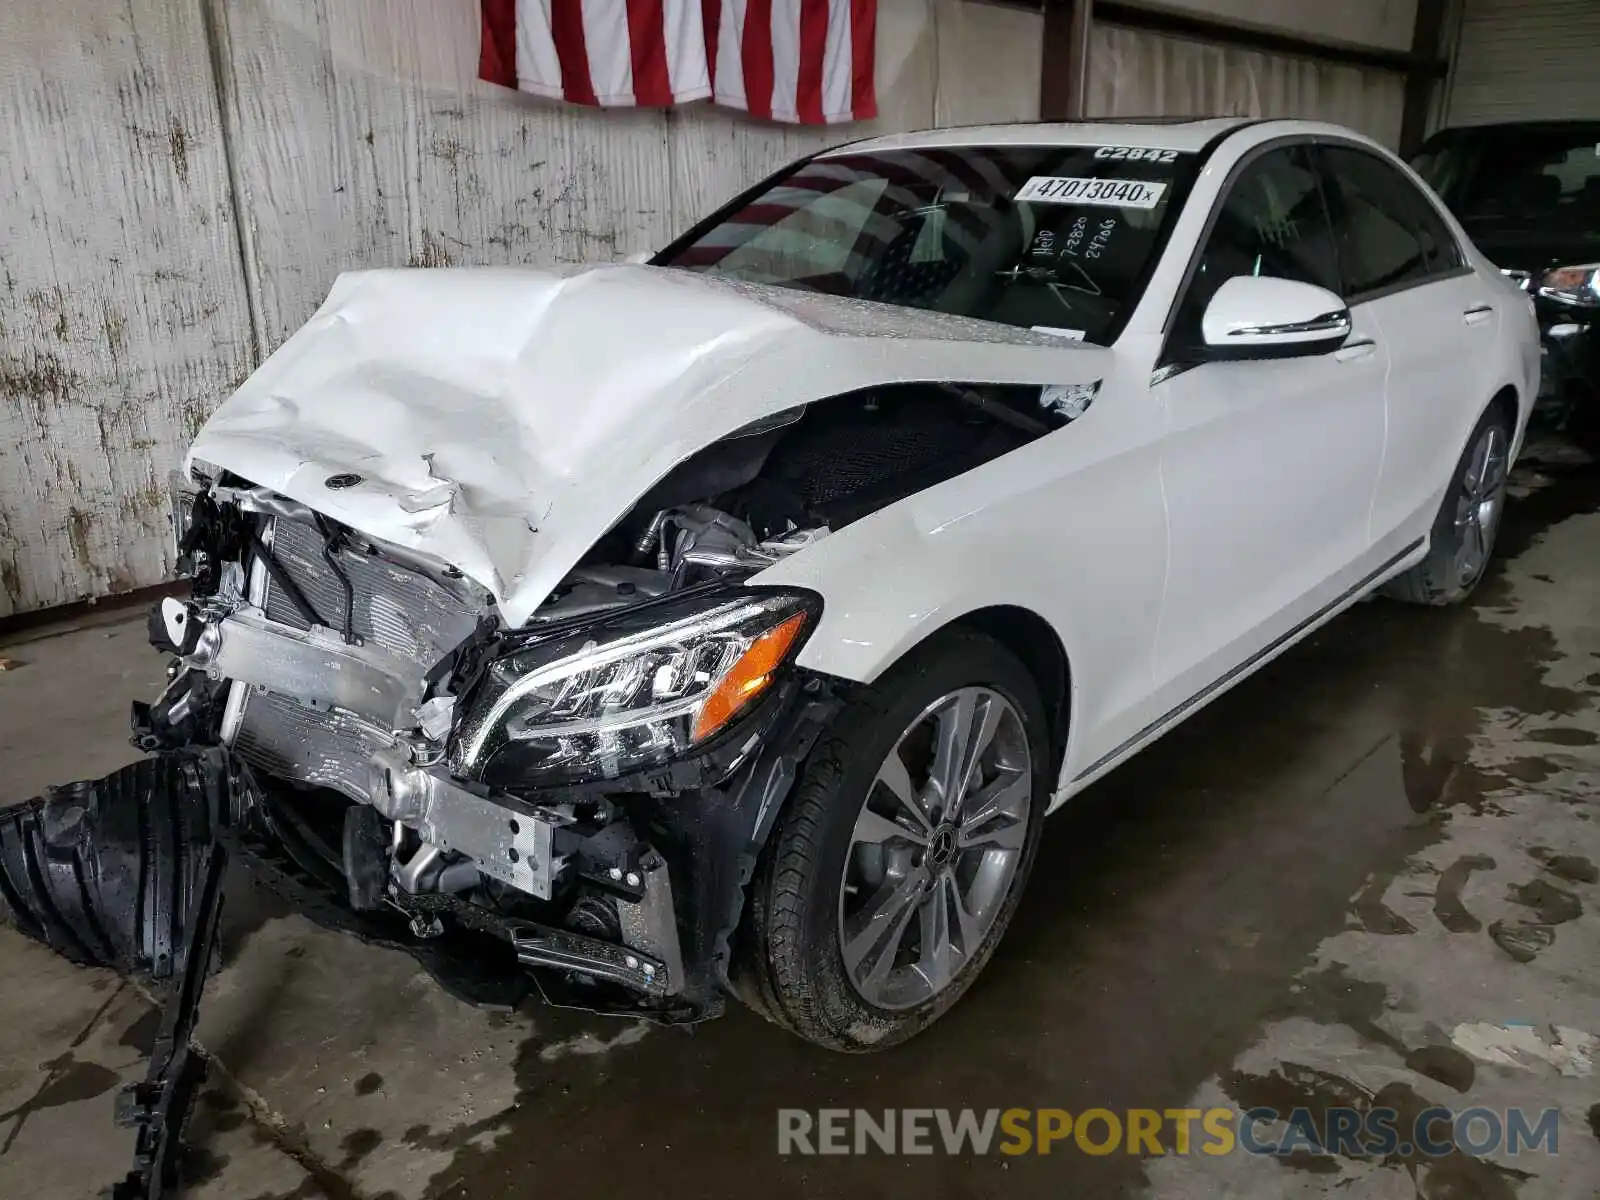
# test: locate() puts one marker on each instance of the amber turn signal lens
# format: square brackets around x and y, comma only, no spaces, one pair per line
[748,677]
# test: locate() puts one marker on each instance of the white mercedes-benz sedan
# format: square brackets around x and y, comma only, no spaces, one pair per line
[729,621]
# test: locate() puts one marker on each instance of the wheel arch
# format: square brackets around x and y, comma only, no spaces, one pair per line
[1509,402]
[1041,651]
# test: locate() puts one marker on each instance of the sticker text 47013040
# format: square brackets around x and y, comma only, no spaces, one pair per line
[1112,193]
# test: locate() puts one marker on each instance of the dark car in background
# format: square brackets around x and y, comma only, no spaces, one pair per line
[1528,193]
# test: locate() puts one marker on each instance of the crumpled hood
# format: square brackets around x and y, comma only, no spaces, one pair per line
[502,419]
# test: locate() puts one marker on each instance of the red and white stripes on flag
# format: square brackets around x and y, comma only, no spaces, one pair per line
[613,53]
[801,61]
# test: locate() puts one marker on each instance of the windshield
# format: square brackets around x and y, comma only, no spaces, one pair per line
[1056,238]
[1517,177]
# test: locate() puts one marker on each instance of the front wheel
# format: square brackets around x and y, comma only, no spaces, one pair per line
[900,858]
[1464,531]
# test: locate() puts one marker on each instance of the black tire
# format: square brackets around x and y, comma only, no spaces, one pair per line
[1440,579]
[790,967]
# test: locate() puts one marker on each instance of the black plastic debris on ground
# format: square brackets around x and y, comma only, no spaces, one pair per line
[127,872]
[157,1107]
[104,871]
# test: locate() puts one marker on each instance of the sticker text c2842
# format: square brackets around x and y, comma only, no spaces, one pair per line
[1137,154]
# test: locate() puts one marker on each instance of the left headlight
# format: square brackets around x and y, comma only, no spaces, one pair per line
[634,690]
[1573,285]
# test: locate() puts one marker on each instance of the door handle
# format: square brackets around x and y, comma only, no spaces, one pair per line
[1351,351]
[1478,314]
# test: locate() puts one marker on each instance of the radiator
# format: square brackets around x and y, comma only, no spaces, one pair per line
[406,613]
[402,611]
[291,740]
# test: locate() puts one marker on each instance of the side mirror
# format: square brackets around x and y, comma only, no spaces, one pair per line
[1255,316]
[639,257]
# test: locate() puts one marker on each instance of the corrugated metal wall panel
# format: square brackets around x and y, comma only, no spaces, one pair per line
[362,138]
[1384,24]
[122,305]
[359,136]
[1526,59]
[1134,73]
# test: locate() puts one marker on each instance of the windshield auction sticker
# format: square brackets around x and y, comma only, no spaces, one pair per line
[1110,193]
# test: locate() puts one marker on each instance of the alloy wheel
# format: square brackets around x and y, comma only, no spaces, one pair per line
[935,847]
[1482,496]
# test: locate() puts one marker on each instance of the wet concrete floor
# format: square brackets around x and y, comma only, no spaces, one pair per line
[1366,876]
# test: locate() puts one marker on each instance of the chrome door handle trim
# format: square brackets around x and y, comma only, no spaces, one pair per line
[1478,314]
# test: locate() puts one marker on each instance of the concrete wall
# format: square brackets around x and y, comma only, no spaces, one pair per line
[180,181]
[122,302]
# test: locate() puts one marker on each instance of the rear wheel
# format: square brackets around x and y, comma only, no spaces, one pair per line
[1464,531]
[898,863]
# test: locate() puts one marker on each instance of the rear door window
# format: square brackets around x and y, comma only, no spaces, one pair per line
[1389,235]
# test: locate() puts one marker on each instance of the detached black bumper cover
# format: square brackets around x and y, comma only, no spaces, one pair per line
[127,872]
[105,872]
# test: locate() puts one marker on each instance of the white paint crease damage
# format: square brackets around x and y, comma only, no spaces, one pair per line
[451,397]
[350,134]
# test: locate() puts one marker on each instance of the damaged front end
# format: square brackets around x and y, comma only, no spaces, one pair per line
[580,798]
[589,789]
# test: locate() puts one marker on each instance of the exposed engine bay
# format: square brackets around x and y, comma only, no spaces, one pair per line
[591,788]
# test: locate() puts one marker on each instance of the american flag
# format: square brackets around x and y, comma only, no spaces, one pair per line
[801,61]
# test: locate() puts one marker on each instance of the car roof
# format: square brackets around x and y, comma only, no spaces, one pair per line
[1182,134]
